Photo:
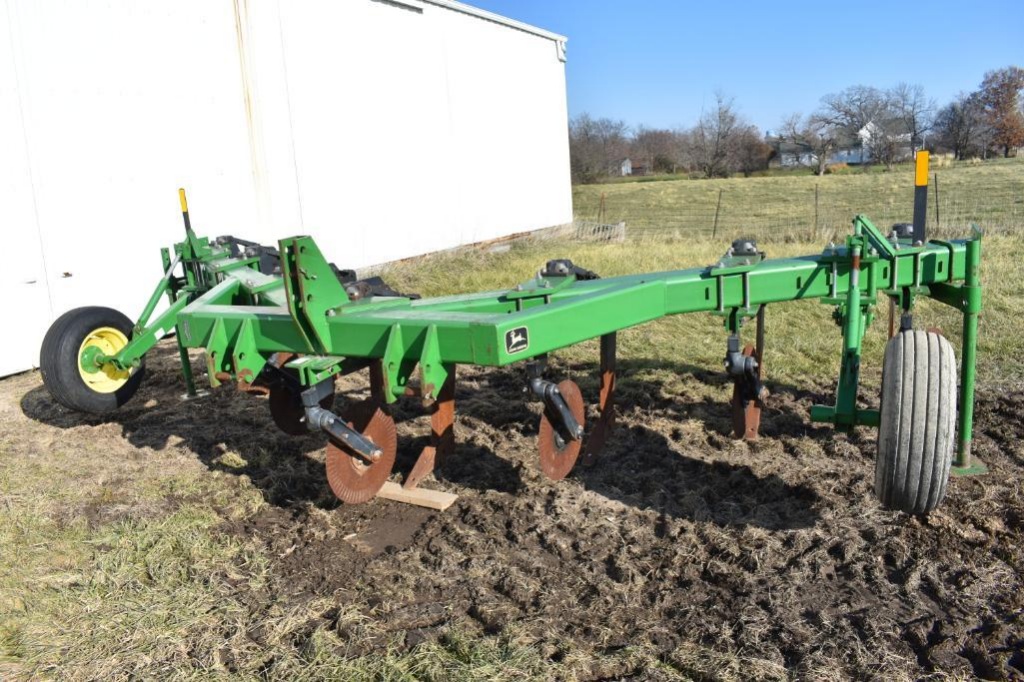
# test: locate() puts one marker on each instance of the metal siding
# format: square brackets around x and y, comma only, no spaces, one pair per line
[384,132]
[22,277]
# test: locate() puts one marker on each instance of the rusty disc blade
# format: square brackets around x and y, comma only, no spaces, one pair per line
[287,411]
[352,478]
[556,461]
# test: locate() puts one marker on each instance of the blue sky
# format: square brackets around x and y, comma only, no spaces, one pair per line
[660,61]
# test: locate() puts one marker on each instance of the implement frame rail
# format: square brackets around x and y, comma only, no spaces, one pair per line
[243,317]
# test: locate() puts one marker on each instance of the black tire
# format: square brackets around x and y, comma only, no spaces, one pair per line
[58,360]
[918,422]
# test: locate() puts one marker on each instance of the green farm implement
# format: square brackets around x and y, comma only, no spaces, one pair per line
[285,322]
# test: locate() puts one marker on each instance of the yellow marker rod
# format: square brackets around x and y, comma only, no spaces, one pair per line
[921,197]
[184,208]
[920,171]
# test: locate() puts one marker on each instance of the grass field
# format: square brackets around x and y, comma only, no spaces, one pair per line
[991,194]
[159,544]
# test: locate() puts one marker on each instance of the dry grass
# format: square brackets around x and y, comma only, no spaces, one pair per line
[783,206]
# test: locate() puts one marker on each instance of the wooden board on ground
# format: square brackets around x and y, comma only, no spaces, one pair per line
[434,499]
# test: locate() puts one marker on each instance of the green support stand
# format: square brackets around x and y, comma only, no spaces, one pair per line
[167,285]
[964,465]
[855,319]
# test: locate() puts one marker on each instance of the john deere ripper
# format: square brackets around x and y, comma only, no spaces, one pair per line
[285,322]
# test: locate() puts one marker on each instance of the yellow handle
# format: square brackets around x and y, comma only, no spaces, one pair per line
[184,203]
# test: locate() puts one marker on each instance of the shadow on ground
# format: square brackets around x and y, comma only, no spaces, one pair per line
[232,431]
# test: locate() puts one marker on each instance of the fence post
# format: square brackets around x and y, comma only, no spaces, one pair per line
[600,210]
[718,208]
[815,230]
[936,176]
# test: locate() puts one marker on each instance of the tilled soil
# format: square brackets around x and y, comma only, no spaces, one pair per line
[773,556]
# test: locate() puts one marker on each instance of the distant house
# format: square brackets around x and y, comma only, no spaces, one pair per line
[786,154]
[870,132]
[792,155]
[627,167]
[851,155]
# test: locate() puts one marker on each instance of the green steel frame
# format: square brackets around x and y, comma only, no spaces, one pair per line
[242,317]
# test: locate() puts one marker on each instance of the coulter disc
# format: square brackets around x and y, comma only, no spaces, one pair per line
[287,411]
[557,456]
[352,478]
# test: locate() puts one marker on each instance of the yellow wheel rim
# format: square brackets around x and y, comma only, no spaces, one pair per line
[107,378]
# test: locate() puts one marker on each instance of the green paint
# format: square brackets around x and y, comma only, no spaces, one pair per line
[968,355]
[241,317]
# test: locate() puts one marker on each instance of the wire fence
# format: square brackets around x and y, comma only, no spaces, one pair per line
[814,214]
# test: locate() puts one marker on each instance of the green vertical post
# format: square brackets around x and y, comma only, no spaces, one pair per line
[845,414]
[186,364]
[853,333]
[971,307]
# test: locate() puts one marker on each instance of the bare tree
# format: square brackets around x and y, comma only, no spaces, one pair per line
[851,110]
[914,110]
[886,139]
[596,146]
[813,135]
[656,149]
[710,144]
[959,126]
[890,135]
[886,123]
[751,151]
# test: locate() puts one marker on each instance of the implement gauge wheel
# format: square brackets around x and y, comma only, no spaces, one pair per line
[918,422]
[92,389]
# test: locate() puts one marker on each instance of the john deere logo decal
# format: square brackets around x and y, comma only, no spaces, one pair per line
[517,340]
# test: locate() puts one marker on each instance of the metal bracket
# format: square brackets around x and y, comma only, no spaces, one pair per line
[313,369]
[314,292]
[737,365]
[563,420]
[247,360]
[217,344]
[397,369]
[432,367]
[540,287]
[319,419]
[861,224]
[952,251]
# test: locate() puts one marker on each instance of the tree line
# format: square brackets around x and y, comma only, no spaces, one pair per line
[883,125]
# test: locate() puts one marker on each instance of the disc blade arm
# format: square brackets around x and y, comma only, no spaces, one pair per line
[557,409]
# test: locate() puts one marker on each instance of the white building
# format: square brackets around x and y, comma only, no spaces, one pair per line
[384,128]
